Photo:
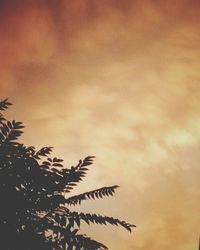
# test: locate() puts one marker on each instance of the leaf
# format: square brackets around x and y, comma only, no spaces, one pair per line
[57,165]
[4,104]
[101,220]
[98,193]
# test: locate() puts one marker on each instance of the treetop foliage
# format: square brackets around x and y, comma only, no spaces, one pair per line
[35,211]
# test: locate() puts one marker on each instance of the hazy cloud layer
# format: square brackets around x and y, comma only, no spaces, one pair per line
[120,80]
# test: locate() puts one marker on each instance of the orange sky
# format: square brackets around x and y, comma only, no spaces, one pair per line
[119,80]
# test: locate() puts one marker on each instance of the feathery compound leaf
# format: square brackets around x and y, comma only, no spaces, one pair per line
[10,131]
[98,219]
[75,174]
[45,151]
[86,162]
[4,104]
[95,194]
[87,217]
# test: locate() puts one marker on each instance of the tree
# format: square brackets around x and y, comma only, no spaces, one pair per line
[34,188]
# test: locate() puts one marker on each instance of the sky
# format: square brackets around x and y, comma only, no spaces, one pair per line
[119,80]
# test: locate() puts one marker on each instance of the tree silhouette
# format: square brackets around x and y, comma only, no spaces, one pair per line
[34,210]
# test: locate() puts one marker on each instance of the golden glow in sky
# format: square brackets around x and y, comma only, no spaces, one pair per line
[119,80]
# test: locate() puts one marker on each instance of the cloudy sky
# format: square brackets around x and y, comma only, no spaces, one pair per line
[119,80]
